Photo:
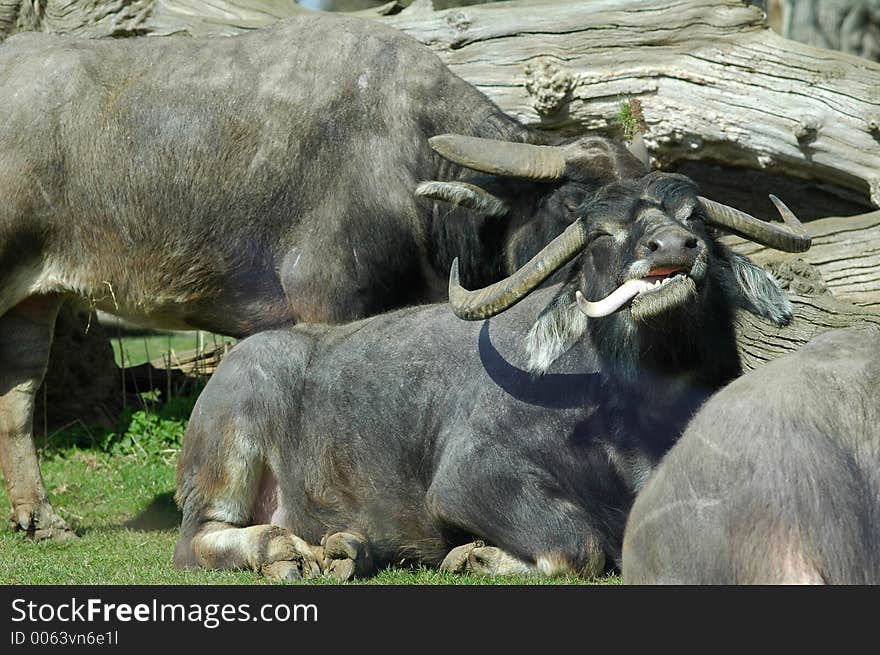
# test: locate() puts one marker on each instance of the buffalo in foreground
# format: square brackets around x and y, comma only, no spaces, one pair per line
[410,436]
[776,480]
[292,174]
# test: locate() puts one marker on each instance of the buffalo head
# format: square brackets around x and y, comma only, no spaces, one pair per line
[647,256]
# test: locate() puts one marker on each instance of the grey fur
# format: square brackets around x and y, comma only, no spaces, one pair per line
[238,184]
[758,290]
[777,478]
[422,432]
[557,329]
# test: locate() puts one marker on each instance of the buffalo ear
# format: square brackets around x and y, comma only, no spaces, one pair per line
[557,329]
[751,287]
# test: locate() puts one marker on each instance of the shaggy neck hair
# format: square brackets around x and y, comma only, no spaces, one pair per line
[693,338]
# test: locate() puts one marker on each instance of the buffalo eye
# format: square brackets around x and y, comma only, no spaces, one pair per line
[696,216]
[601,234]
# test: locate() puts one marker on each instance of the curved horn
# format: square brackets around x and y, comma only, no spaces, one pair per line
[466,195]
[487,302]
[524,160]
[791,238]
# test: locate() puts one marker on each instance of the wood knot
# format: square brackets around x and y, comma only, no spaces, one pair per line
[874,190]
[874,126]
[807,129]
[798,276]
[550,84]
[458,20]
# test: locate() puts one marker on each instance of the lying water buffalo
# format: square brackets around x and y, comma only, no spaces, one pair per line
[404,435]
[776,480]
[239,184]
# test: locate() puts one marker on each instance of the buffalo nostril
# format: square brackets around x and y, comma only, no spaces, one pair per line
[672,242]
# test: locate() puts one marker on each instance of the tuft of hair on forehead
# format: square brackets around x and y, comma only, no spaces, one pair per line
[668,190]
[663,186]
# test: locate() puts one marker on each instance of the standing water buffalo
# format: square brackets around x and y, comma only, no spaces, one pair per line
[245,183]
[776,480]
[402,436]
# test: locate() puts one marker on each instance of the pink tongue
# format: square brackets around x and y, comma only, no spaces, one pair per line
[663,272]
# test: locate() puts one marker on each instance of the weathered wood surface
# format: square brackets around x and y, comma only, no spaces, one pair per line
[846,251]
[210,17]
[715,83]
[759,341]
[91,18]
[102,18]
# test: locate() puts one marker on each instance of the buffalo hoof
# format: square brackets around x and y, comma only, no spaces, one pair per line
[41,523]
[494,561]
[484,560]
[456,560]
[346,556]
[295,559]
[282,571]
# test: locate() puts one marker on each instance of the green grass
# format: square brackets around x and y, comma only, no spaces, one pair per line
[630,118]
[134,350]
[116,489]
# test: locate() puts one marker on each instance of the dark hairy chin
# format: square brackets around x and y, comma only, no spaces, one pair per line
[679,298]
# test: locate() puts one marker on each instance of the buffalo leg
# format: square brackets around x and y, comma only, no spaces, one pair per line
[529,532]
[267,549]
[25,340]
[229,496]
[231,543]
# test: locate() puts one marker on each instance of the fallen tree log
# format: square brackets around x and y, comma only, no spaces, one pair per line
[759,341]
[103,18]
[852,26]
[714,82]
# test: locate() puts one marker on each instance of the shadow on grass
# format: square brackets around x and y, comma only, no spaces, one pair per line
[160,514]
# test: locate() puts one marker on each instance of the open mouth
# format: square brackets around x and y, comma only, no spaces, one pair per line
[657,278]
[657,282]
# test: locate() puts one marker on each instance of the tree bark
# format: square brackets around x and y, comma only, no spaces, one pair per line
[852,26]
[714,82]
[759,341]
[103,18]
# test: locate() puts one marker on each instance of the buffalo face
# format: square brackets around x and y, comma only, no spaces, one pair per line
[650,250]
[647,262]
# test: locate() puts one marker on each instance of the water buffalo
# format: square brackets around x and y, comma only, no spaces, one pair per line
[402,436]
[776,480]
[296,173]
